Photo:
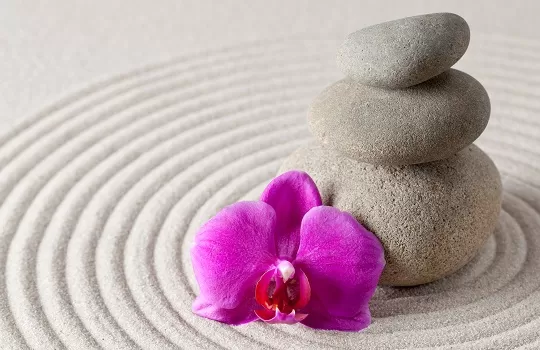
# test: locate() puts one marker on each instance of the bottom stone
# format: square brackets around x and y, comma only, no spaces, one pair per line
[431,218]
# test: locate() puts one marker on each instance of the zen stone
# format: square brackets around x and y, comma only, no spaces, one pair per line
[406,51]
[423,123]
[431,218]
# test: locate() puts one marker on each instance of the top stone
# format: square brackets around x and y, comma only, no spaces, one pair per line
[404,52]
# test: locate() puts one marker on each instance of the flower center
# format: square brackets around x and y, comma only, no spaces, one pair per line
[282,290]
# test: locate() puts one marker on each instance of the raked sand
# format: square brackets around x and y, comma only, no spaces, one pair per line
[102,192]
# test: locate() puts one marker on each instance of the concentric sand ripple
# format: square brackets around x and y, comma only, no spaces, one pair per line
[102,193]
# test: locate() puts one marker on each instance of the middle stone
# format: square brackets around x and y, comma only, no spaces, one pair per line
[422,123]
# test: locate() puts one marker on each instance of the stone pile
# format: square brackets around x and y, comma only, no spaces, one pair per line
[394,146]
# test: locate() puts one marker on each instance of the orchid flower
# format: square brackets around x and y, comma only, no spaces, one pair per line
[287,259]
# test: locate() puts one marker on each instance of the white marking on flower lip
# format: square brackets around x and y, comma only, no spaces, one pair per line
[286,269]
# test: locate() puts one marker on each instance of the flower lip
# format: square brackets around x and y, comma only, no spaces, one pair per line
[282,291]
[271,317]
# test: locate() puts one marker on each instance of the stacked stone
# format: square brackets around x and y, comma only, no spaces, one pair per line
[394,146]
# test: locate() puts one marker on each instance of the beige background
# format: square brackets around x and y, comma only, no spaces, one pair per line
[49,48]
[102,194]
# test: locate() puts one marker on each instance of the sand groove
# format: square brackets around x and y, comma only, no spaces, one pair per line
[101,194]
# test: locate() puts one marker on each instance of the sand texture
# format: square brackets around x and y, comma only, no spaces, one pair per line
[102,192]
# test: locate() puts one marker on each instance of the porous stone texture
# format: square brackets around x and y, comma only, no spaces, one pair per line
[406,51]
[423,123]
[432,218]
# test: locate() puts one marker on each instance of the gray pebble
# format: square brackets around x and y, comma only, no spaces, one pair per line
[423,123]
[406,51]
[431,218]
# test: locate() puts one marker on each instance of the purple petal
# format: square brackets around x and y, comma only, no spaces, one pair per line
[232,251]
[343,262]
[328,322]
[243,313]
[292,195]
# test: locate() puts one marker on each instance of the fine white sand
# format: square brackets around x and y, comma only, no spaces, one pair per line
[102,192]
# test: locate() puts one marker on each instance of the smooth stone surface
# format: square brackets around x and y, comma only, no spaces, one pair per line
[426,122]
[431,218]
[404,52]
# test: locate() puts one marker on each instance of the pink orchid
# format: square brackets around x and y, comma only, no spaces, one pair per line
[287,259]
